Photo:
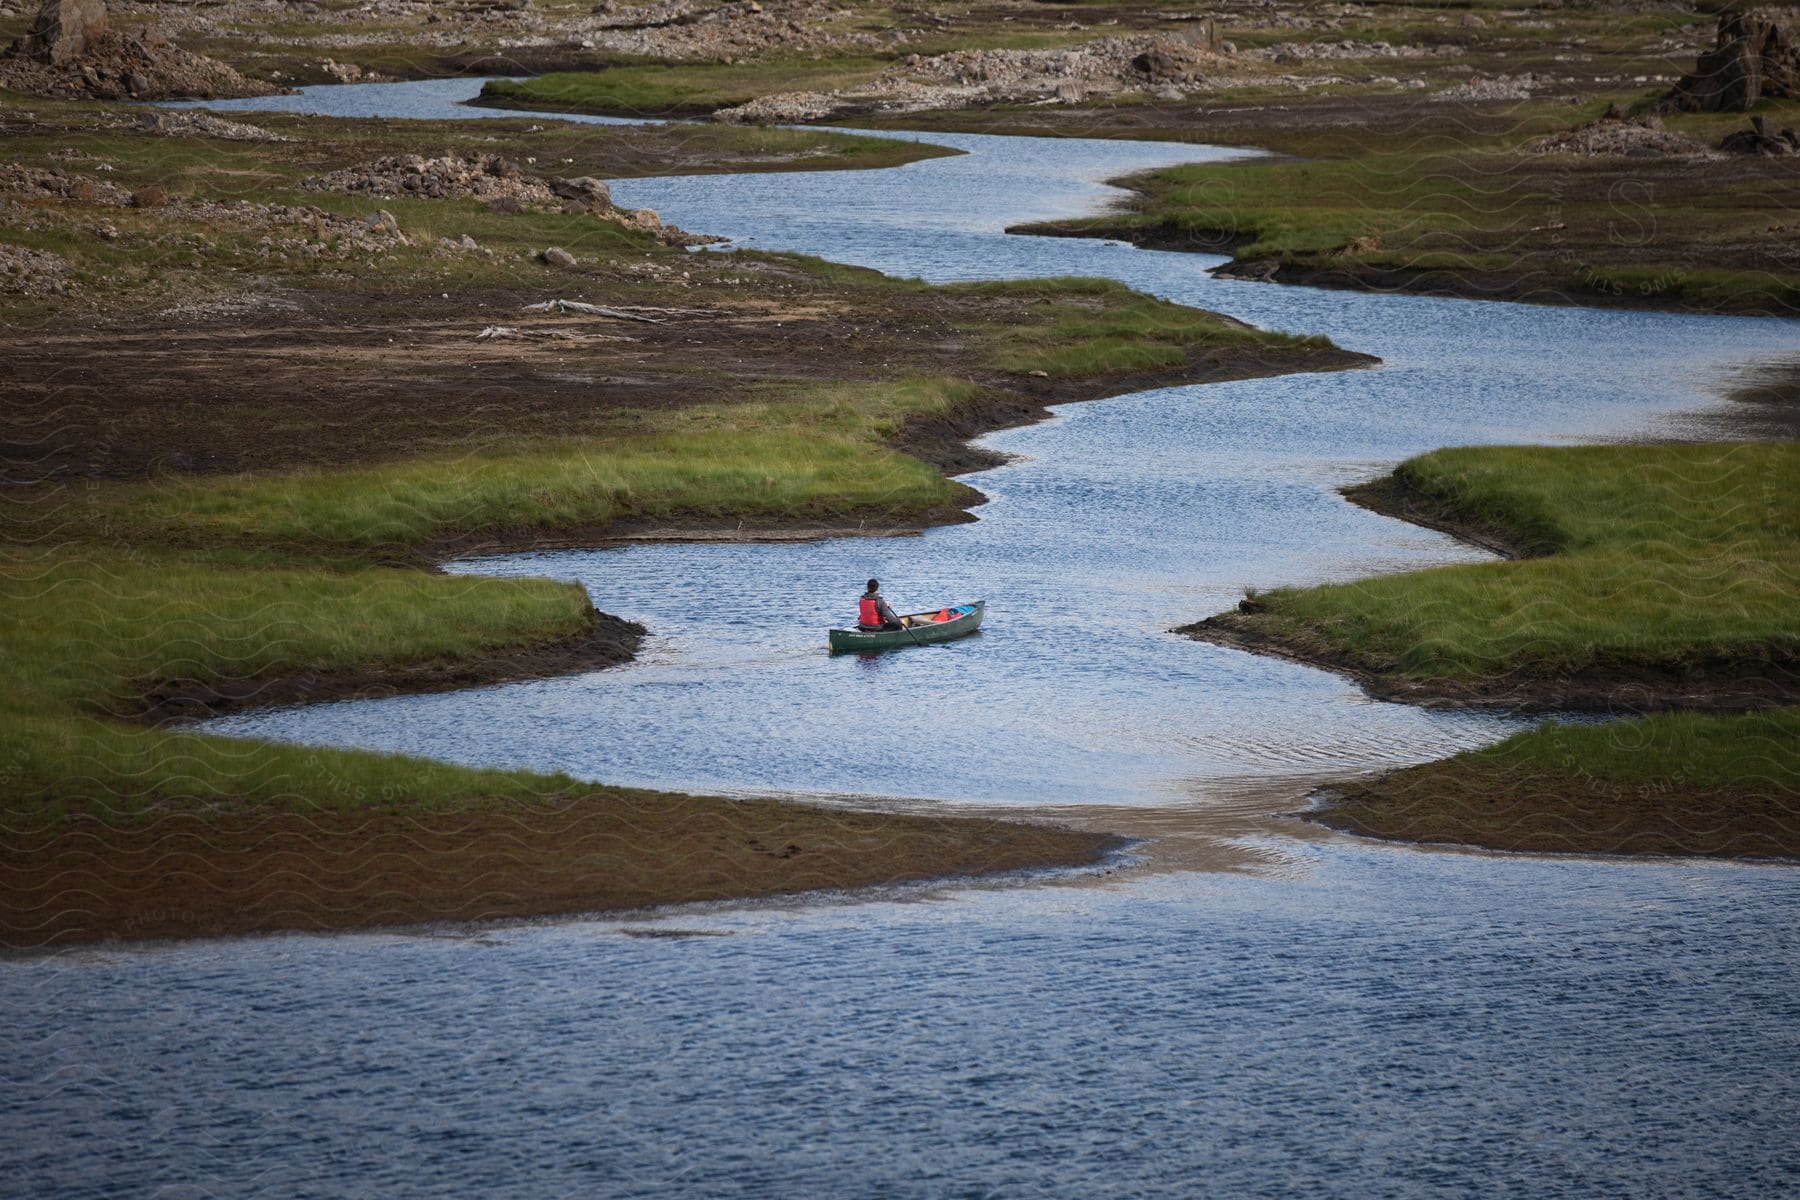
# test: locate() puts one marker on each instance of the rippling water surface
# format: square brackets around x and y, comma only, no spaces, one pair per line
[1329,1018]
[1383,1023]
[1122,519]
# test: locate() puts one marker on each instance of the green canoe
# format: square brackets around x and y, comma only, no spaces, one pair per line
[966,619]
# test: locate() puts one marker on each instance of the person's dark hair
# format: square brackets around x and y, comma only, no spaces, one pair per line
[874,585]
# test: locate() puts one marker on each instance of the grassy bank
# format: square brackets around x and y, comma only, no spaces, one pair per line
[1137,333]
[1670,783]
[815,458]
[1465,208]
[1650,577]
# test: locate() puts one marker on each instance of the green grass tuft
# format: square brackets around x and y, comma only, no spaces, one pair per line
[87,632]
[810,455]
[1093,327]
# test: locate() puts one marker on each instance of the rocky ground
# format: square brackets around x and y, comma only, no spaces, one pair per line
[70,48]
[1297,48]
[502,185]
[299,232]
[1618,134]
[192,123]
[29,272]
[967,78]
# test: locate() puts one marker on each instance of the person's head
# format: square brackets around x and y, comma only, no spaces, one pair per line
[874,585]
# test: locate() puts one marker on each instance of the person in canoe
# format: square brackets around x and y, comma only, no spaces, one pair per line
[872,612]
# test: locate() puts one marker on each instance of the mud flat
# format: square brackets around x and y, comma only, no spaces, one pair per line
[244,871]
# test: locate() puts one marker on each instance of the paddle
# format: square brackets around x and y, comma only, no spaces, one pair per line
[908,629]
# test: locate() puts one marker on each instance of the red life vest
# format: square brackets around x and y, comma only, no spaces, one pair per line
[866,611]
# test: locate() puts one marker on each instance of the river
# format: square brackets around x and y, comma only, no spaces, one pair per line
[1263,1010]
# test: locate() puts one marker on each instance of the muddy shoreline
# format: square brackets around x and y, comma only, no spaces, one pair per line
[607,641]
[222,874]
[1726,685]
[1456,805]
[1352,809]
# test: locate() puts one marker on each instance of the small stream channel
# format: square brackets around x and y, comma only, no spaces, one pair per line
[1313,1016]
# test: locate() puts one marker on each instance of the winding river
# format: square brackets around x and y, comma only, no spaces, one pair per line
[1248,1008]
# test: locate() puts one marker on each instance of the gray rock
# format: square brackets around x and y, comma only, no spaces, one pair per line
[1762,138]
[556,256]
[1162,66]
[584,190]
[63,30]
[1205,33]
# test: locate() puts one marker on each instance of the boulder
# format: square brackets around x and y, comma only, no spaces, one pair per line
[556,256]
[1756,54]
[584,190]
[1762,138]
[1161,66]
[1205,34]
[149,196]
[63,31]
